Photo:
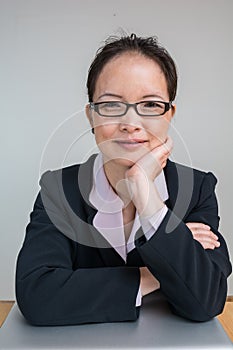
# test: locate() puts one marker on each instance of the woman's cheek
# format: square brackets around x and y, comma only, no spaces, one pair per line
[159,134]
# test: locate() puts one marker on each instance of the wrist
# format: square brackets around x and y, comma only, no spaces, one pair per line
[147,200]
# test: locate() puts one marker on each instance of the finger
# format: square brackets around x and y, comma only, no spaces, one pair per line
[195,225]
[202,229]
[207,242]
[206,233]
[168,144]
[164,164]
[154,159]
[164,149]
[207,239]
[208,245]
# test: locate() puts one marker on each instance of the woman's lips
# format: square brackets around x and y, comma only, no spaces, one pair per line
[131,144]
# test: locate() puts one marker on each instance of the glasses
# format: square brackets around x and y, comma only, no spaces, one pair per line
[118,109]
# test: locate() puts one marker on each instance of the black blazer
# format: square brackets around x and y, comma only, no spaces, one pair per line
[68,274]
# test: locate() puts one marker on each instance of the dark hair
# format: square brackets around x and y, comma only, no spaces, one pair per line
[149,47]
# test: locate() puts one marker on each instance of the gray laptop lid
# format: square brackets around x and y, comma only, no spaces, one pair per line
[156,328]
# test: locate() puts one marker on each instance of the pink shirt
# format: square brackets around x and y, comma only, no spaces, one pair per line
[109,219]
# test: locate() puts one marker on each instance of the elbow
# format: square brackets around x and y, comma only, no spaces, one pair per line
[33,308]
[200,310]
[191,314]
[30,310]
[208,302]
[204,315]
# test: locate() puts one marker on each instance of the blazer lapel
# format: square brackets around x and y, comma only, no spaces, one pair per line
[77,186]
[180,184]
[170,174]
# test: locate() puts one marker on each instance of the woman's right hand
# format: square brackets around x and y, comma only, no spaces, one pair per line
[148,283]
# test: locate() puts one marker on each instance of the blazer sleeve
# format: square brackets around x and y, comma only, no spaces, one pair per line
[50,291]
[194,280]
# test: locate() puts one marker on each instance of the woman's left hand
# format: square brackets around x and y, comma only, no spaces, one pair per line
[140,179]
[203,234]
[151,164]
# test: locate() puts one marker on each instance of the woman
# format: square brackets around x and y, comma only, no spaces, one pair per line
[128,222]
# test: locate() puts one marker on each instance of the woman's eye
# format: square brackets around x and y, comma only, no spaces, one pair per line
[111,105]
[151,104]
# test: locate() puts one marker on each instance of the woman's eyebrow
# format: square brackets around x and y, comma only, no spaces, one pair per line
[109,94]
[154,96]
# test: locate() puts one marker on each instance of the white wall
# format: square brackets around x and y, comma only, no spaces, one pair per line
[46,47]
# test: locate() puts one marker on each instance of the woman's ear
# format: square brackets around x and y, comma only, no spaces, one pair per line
[170,114]
[89,117]
[88,114]
[173,109]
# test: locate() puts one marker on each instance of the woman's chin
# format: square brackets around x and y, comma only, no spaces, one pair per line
[124,162]
[121,160]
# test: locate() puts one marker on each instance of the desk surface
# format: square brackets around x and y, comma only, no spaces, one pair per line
[156,328]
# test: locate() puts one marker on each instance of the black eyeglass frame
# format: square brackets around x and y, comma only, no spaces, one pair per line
[95,106]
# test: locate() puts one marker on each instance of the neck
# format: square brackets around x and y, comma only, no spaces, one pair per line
[115,174]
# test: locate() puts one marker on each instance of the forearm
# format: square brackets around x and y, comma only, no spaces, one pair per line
[145,197]
[59,296]
[60,282]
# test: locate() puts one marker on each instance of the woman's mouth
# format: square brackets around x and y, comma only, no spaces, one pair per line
[131,144]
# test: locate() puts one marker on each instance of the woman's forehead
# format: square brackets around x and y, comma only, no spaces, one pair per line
[130,72]
[130,57]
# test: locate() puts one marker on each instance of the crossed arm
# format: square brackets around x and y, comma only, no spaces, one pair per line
[201,233]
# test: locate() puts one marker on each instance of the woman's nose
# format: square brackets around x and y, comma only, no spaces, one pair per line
[130,122]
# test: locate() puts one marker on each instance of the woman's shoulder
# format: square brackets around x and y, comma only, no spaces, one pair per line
[176,166]
[71,169]
[183,172]
[69,178]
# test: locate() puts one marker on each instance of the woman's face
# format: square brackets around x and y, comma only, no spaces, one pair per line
[130,78]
